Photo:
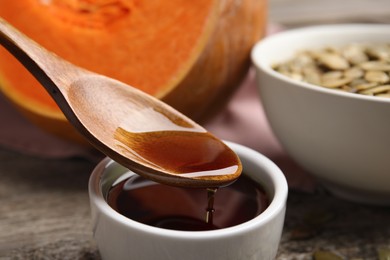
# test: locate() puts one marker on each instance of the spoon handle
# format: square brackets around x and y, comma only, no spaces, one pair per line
[52,72]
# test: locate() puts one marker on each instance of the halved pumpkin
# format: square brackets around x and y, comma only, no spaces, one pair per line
[190,54]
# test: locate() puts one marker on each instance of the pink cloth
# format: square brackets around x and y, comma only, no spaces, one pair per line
[18,134]
[242,121]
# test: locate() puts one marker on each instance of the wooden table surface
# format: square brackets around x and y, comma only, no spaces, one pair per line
[44,208]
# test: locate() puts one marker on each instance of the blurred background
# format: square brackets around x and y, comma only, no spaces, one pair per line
[295,13]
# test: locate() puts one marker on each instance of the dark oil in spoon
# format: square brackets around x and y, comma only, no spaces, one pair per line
[187,209]
[186,153]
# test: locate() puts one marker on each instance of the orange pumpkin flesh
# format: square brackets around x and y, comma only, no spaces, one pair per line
[190,54]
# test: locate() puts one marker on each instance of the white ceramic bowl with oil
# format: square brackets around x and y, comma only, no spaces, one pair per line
[119,237]
[342,138]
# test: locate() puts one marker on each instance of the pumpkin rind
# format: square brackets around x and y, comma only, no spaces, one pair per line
[196,76]
[223,63]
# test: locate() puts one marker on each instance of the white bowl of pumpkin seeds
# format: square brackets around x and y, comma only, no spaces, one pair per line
[326,93]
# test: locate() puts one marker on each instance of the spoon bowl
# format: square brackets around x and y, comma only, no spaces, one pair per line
[133,128]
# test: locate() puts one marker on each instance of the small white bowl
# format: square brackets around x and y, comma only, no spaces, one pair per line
[342,138]
[118,237]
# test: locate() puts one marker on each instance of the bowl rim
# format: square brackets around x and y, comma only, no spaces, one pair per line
[265,44]
[276,206]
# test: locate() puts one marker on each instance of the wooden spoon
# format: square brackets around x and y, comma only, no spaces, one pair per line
[133,128]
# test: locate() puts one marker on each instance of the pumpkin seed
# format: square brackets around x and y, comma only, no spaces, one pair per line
[380,52]
[384,253]
[335,83]
[326,255]
[296,76]
[376,76]
[376,90]
[347,88]
[375,65]
[365,86]
[354,73]
[313,79]
[385,95]
[355,53]
[333,61]
[336,74]
[355,68]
